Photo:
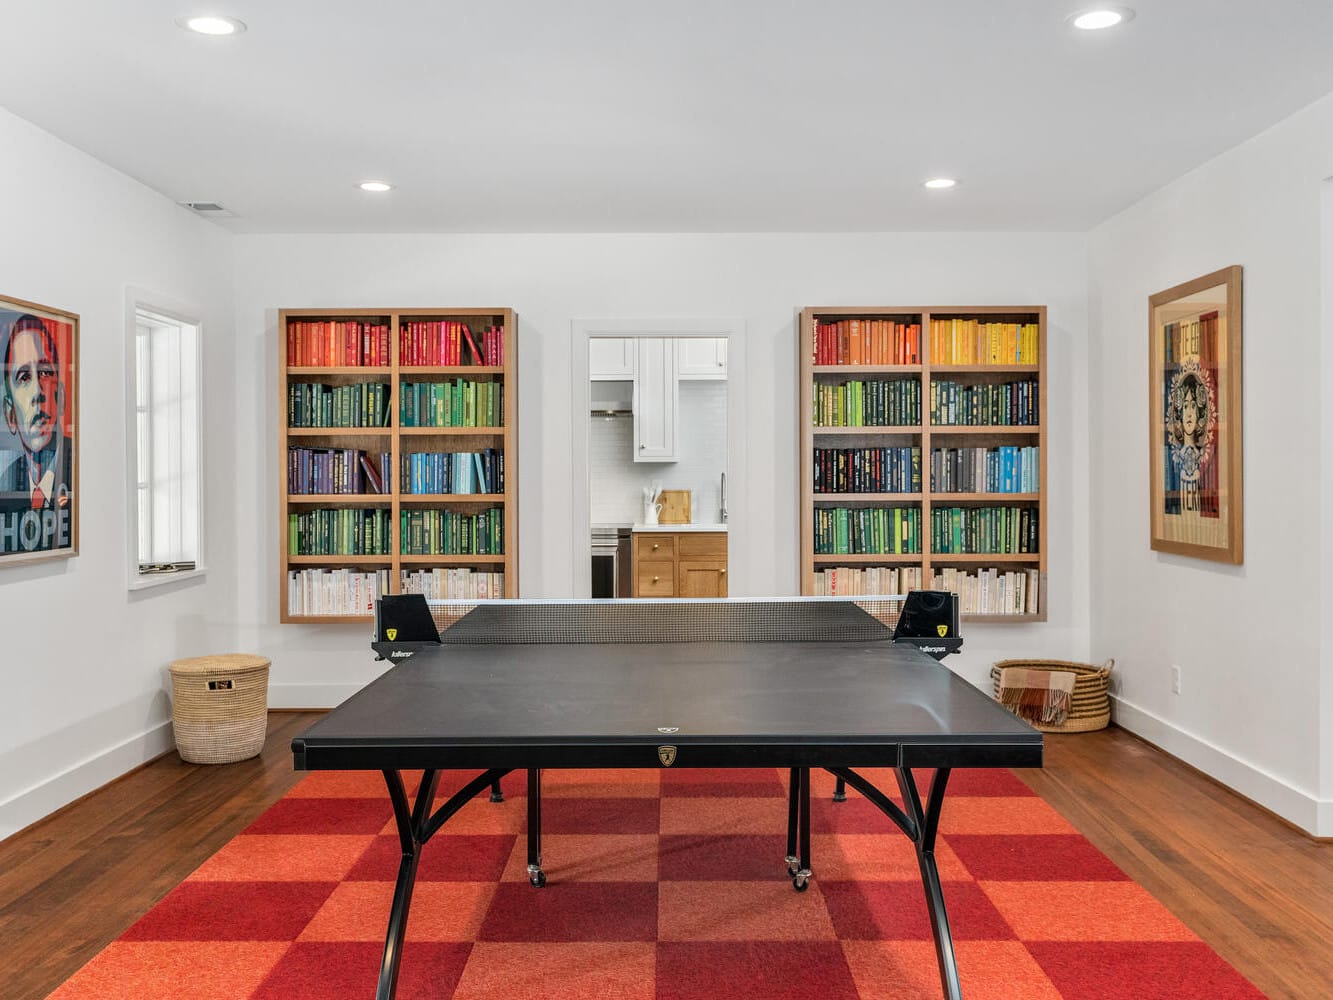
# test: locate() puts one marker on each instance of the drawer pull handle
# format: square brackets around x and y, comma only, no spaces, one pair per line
[656,578]
[654,546]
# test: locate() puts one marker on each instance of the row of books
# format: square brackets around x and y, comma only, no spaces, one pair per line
[868,470]
[338,532]
[1003,469]
[977,342]
[866,342]
[314,404]
[333,470]
[992,591]
[1008,404]
[452,582]
[983,530]
[852,581]
[461,403]
[867,530]
[1191,339]
[448,342]
[446,532]
[870,403]
[454,471]
[337,343]
[318,591]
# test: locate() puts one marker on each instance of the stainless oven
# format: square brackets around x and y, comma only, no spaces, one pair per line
[605,561]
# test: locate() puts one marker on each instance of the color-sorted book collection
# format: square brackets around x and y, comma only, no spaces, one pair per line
[318,591]
[868,470]
[449,342]
[959,341]
[454,472]
[867,342]
[983,530]
[452,582]
[338,532]
[867,530]
[845,581]
[461,403]
[314,404]
[1003,469]
[993,591]
[442,532]
[1008,404]
[334,471]
[313,343]
[870,403]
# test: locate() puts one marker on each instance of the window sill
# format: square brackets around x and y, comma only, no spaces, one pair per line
[147,581]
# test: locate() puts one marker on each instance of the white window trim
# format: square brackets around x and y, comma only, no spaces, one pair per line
[137,299]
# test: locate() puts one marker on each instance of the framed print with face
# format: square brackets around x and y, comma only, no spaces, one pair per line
[1194,424]
[39,461]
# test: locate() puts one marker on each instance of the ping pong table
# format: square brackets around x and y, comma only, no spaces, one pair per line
[794,683]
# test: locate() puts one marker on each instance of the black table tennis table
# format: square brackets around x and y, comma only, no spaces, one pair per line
[787,683]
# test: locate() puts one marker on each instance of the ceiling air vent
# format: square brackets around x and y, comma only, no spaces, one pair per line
[209,209]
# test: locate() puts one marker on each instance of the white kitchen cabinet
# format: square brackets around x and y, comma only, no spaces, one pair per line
[656,402]
[701,357]
[612,358]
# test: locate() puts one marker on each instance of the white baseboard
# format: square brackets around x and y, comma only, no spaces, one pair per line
[44,798]
[1295,806]
[291,696]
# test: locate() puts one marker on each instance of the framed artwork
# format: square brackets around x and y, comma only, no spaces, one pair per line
[1194,424]
[39,460]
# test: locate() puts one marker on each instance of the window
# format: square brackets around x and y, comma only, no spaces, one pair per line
[165,459]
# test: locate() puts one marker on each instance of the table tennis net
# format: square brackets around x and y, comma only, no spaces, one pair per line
[814,619]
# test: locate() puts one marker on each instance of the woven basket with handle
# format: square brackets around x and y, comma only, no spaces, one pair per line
[219,707]
[1090,706]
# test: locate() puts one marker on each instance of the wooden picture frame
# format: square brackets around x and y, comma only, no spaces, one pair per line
[39,402]
[1194,423]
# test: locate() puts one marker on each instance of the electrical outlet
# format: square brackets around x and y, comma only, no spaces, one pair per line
[1175,678]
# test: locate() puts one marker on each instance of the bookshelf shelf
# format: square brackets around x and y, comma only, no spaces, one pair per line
[964,378]
[412,358]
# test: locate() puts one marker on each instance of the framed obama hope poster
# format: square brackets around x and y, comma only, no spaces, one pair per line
[1194,369]
[39,467]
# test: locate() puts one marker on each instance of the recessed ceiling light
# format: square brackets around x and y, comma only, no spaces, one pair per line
[939,183]
[212,25]
[1096,18]
[376,186]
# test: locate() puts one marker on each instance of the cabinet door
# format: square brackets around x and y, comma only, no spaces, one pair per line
[701,357]
[611,358]
[705,577]
[655,397]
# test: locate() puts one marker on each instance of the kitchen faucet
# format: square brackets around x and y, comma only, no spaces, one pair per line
[723,512]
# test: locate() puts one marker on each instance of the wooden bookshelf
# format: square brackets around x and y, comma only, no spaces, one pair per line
[980,398]
[423,517]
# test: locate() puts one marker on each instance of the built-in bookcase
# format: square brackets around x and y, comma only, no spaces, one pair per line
[399,453]
[923,454]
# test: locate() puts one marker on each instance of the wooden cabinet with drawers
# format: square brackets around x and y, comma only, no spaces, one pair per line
[680,564]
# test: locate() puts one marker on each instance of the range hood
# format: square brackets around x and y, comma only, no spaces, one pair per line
[612,398]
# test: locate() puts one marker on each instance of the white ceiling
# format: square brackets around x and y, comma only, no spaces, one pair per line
[689,116]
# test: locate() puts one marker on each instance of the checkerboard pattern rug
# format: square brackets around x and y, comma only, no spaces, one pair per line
[663,885]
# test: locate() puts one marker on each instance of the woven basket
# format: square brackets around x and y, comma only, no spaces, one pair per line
[1090,707]
[219,707]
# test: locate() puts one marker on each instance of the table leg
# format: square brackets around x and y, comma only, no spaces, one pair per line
[535,874]
[928,821]
[410,827]
[798,828]
[793,807]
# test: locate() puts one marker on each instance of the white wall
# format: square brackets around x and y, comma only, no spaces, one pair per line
[84,661]
[551,280]
[1253,641]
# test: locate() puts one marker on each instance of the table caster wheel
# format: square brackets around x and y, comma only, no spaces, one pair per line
[839,796]
[801,882]
[538,879]
[497,796]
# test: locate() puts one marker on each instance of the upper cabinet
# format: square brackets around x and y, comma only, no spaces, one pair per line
[656,398]
[612,358]
[701,357]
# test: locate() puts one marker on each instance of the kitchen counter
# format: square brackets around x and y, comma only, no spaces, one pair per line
[673,528]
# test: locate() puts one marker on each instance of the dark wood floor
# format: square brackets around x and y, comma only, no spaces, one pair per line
[1256,890]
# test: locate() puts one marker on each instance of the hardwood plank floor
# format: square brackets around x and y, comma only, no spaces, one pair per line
[1256,890]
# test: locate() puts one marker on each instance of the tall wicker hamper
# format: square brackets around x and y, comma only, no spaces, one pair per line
[219,707]
[1090,705]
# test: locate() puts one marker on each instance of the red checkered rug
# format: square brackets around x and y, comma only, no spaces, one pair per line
[663,885]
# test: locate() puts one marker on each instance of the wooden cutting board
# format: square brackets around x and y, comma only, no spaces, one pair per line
[675,507]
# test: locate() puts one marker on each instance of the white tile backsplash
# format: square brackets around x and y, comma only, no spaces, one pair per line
[618,481]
